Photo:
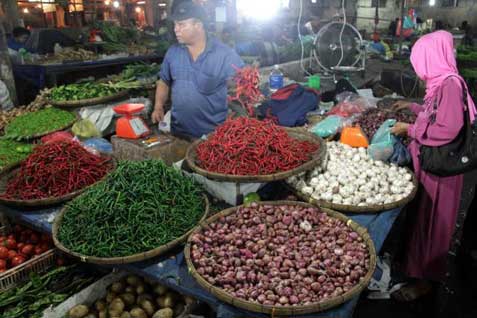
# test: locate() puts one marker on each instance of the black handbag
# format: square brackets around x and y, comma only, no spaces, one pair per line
[458,156]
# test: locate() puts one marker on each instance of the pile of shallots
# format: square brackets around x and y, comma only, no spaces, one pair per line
[280,255]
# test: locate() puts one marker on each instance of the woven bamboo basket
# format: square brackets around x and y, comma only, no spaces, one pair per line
[285,310]
[7,173]
[88,102]
[317,158]
[126,259]
[358,209]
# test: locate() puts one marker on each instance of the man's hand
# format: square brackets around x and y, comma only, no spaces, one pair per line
[400,105]
[157,115]
[400,129]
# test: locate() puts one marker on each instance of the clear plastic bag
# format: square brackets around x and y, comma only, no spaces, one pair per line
[350,104]
[84,128]
[382,144]
[328,127]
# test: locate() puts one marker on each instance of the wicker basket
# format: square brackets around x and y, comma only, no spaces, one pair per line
[126,259]
[20,273]
[358,209]
[6,174]
[88,102]
[317,157]
[288,310]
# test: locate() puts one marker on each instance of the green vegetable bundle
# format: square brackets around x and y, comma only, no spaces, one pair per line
[12,152]
[138,207]
[40,292]
[38,123]
[82,91]
[140,70]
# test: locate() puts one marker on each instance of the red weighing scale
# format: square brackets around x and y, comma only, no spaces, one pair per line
[129,126]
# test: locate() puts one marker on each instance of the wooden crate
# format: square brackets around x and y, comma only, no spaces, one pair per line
[172,150]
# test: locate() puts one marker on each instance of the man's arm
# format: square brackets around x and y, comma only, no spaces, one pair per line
[162,93]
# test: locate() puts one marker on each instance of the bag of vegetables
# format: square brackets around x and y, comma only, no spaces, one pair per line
[382,144]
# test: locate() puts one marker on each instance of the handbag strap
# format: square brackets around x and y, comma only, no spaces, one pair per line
[464,97]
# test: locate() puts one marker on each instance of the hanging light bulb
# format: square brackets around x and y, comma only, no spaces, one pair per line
[25,10]
[138,10]
[116,4]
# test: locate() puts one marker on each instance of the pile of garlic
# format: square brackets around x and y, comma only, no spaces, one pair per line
[351,177]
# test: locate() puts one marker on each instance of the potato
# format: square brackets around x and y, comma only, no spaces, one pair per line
[144,297]
[140,289]
[117,306]
[130,289]
[128,298]
[133,280]
[164,313]
[138,313]
[78,311]
[125,315]
[118,287]
[166,301]
[100,305]
[147,306]
[103,314]
[110,296]
[160,289]
[189,300]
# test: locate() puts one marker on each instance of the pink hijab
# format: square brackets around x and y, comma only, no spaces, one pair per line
[433,60]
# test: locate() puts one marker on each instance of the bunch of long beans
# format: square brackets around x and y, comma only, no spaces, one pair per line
[138,207]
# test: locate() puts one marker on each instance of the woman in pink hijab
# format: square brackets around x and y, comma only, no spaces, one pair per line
[433,59]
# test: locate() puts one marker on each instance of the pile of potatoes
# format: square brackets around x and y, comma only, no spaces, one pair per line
[134,297]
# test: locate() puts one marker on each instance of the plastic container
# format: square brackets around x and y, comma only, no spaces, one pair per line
[314,82]
[275,79]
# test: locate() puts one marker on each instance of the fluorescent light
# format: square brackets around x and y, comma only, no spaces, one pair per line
[141,2]
[162,4]
[260,10]
[432,3]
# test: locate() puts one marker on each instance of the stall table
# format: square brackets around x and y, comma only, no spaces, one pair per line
[46,75]
[172,269]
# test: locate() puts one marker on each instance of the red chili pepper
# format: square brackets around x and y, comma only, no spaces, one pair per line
[246,146]
[56,169]
[247,92]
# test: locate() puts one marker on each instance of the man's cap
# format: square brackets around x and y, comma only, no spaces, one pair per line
[189,10]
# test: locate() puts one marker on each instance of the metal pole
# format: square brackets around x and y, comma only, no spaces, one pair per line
[402,26]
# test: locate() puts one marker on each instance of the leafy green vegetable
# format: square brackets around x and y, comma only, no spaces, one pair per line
[12,152]
[39,122]
[81,91]
[133,71]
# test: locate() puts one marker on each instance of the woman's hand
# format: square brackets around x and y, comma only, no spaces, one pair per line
[400,105]
[400,129]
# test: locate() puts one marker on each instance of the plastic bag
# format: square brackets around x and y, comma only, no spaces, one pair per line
[328,127]
[354,137]
[57,136]
[350,104]
[401,155]
[100,144]
[84,128]
[382,144]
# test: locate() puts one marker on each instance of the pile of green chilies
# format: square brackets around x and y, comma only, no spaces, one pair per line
[39,122]
[12,152]
[138,207]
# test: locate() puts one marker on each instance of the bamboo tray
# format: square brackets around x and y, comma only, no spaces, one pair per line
[125,259]
[358,209]
[285,310]
[88,102]
[8,172]
[316,160]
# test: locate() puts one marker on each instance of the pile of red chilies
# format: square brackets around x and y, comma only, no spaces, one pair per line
[247,92]
[56,169]
[246,146]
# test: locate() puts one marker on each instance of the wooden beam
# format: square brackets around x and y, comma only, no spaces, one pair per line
[6,73]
